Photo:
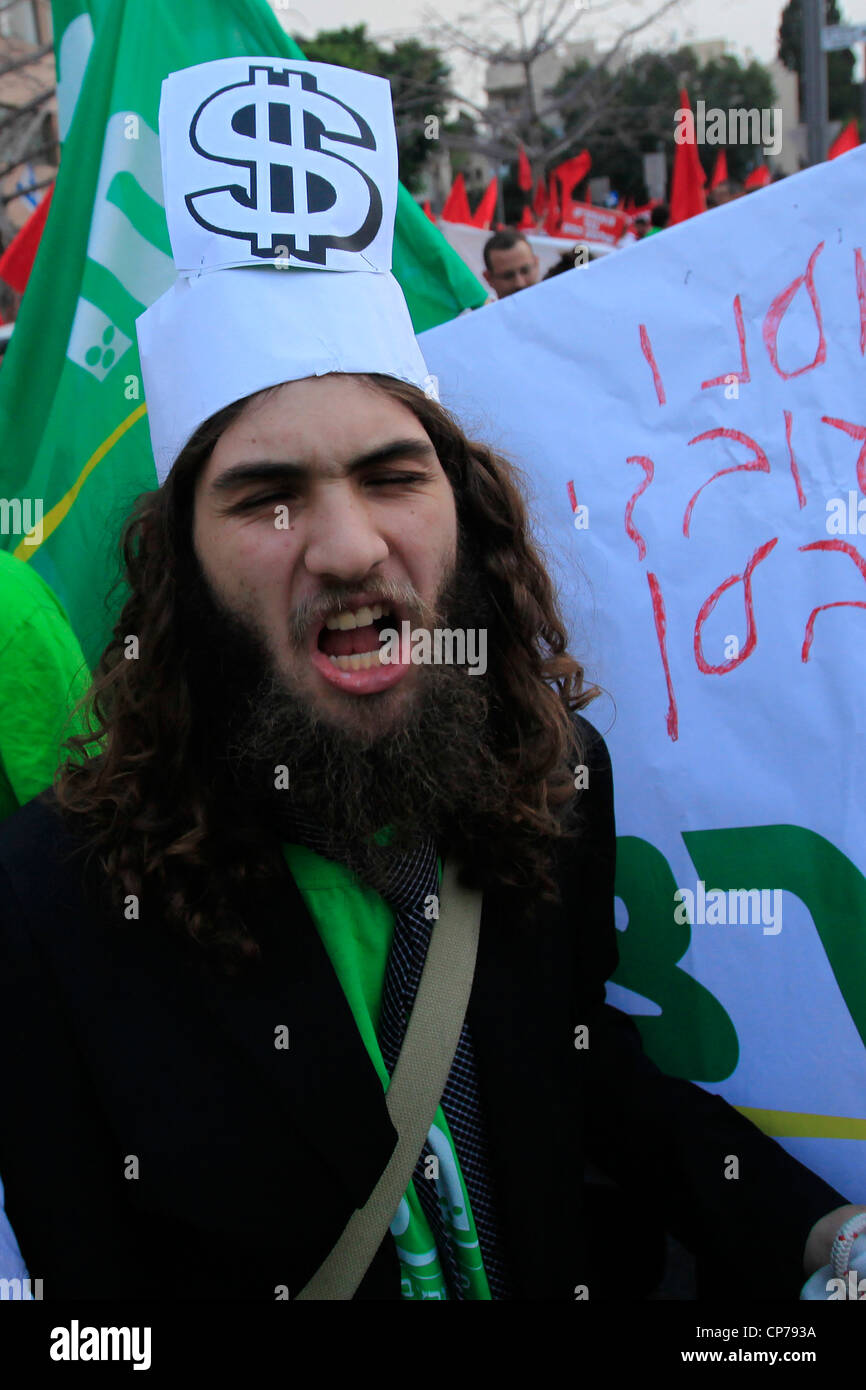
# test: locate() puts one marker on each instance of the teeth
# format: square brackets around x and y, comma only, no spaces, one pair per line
[359,661]
[345,621]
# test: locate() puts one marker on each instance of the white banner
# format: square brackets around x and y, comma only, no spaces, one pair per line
[692,415]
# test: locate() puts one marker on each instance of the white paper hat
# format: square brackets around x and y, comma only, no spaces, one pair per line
[280,185]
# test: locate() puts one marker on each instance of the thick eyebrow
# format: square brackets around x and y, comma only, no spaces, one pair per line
[259,470]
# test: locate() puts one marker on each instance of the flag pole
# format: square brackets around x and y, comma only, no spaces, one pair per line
[815,75]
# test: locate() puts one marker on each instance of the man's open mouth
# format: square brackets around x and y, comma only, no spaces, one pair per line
[351,640]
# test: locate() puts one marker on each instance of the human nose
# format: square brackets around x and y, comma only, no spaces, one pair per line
[343,538]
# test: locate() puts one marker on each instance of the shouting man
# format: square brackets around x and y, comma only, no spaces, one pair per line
[212,931]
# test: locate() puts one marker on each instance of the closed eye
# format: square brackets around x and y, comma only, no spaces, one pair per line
[287,492]
[399,478]
[248,503]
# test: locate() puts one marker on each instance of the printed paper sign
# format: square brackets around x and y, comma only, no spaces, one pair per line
[272,159]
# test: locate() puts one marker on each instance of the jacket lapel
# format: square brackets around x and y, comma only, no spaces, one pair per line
[324,1074]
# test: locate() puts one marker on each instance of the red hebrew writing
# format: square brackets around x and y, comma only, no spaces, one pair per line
[743,373]
[646,348]
[776,313]
[844,549]
[810,625]
[787,315]
[795,471]
[661,623]
[856,432]
[760,463]
[649,469]
[860,281]
[751,631]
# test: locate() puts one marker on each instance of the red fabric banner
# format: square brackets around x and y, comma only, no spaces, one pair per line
[588,223]
[17,260]
[847,139]
[687,184]
[456,208]
[720,170]
[486,210]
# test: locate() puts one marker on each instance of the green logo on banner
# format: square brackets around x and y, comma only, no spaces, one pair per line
[694,1037]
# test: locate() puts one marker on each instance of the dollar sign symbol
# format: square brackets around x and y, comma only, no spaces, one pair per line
[302,194]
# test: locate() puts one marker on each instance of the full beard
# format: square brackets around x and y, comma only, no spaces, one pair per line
[434,770]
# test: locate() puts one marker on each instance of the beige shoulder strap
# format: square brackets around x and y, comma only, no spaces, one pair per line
[416,1085]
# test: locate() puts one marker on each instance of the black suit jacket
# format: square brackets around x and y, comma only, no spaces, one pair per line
[155,1143]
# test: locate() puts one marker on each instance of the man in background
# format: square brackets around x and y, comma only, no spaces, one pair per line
[511,263]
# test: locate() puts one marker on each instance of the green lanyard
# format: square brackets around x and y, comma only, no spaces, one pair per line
[357,927]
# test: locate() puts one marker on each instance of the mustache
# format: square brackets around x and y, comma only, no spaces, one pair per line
[315,609]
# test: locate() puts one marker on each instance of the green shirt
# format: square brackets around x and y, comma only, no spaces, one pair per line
[43,674]
[356,926]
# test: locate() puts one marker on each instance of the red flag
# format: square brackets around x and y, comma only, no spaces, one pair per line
[524,171]
[428,210]
[456,207]
[486,210]
[687,183]
[720,171]
[553,216]
[17,260]
[847,139]
[527,221]
[539,202]
[759,178]
[570,173]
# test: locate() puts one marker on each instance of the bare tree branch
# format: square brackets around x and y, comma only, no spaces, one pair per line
[449,34]
[537,26]
[20,111]
[32,157]
[32,57]
[16,145]
[567,100]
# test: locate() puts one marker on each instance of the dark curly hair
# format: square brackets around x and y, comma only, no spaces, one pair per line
[141,789]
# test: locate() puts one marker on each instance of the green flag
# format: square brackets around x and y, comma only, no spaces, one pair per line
[74,438]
